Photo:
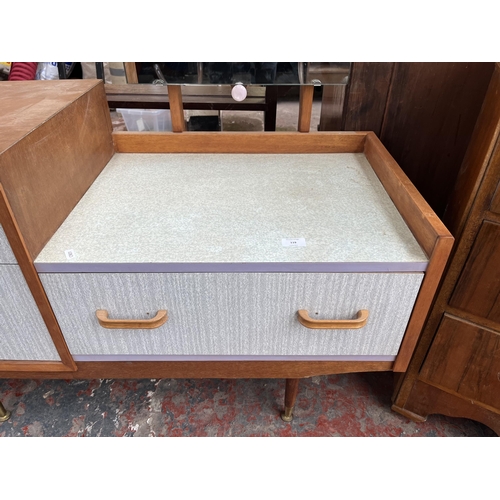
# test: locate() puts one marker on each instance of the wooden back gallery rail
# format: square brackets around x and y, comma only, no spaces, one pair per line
[57,144]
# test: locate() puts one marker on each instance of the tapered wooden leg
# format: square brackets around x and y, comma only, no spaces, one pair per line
[291,390]
[4,414]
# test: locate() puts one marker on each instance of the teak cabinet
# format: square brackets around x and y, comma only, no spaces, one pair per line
[204,254]
[456,367]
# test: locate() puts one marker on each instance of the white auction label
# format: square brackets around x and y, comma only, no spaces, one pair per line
[293,242]
[70,254]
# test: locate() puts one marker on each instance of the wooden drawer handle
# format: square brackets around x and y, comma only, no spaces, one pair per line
[131,324]
[333,324]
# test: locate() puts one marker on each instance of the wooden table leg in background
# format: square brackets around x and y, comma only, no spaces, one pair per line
[305,107]
[291,390]
[4,414]
[176,108]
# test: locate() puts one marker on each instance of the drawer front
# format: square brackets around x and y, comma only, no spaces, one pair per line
[23,334]
[227,314]
[6,255]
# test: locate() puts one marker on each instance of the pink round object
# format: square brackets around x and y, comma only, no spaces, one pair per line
[239,92]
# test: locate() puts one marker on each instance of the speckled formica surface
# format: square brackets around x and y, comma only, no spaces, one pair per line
[226,208]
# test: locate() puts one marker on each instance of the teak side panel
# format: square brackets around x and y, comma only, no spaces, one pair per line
[418,215]
[239,142]
[8,221]
[27,104]
[208,369]
[46,173]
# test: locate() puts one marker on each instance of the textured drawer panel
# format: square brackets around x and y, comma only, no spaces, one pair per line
[6,255]
[233,314]
[23,334]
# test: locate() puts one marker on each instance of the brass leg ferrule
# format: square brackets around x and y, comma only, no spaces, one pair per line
[287,415]
[4,414]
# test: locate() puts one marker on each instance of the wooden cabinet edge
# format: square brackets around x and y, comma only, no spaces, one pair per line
[204,369]
[239,142]
[25,262]
[425,298]
[18,368]
[438,400]
[408,414]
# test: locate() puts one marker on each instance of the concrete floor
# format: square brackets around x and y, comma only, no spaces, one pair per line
[335,405]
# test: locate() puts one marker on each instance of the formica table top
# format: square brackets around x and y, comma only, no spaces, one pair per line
[256,212]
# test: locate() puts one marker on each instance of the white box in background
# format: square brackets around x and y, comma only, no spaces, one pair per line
[146,120]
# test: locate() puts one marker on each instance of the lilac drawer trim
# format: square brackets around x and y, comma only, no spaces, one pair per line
[230,267]
[131,357]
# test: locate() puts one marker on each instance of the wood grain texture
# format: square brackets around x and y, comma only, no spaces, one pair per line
[430,232]
[208,369]
[239,142]
[332,107]
[16,240]
[476,159]
[431,113]
[477,198]
[495,202]
[25,105]
[426,399]
[437,265]
[131,72]
[478,289]
[22,369]
[305,107]
[45,175]
[418,215]
[465,359]
[176,108]
[291,391]
[131,324]
[366,97]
